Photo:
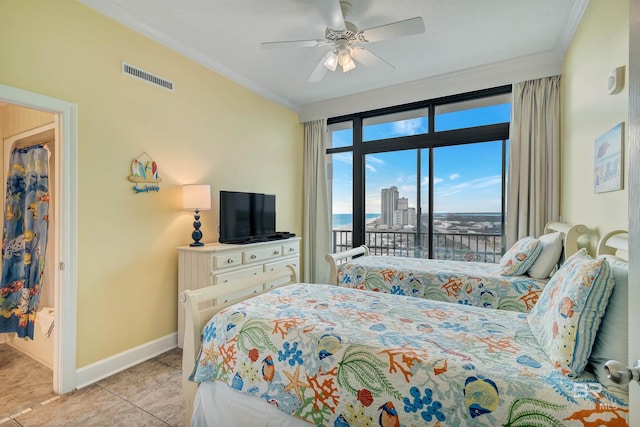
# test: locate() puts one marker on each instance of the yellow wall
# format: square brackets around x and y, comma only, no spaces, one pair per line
[209,130]
[600,44]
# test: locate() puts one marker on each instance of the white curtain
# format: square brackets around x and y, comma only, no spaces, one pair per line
[316,240]
[533,183]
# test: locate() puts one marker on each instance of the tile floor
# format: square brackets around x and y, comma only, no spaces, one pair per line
[148,394]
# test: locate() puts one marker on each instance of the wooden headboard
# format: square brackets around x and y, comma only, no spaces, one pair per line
[614,243]
[571,234]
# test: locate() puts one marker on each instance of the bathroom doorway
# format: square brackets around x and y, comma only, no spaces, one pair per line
[63,242]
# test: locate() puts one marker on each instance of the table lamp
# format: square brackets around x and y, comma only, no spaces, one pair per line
[196,197]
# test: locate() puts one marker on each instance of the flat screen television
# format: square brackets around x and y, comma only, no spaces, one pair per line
[246,217]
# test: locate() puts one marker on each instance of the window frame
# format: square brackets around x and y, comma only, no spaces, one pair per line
[429,140]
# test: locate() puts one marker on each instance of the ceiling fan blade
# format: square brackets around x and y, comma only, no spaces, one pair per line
[295,43]
[404,28]
[332,13]
[370,59]
[319,72]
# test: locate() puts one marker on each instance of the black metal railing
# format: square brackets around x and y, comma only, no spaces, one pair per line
[479,247]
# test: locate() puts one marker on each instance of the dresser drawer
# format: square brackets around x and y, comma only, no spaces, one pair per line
[240,294]
[238,274]
[290,248]
[257,255]
[226,260]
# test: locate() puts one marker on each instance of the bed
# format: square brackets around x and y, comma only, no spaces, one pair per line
[470,283]
[311,354]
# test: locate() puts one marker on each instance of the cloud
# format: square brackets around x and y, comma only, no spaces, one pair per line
[346,158]
[488,181]
[370,167]
[374,159]
[409,126]
[454,176]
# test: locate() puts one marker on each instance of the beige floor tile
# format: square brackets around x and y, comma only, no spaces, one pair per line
[154,386]
[148,375]
[71,408]
[30,382]
[172,358]
[177,420]
[163,400]
[123,414]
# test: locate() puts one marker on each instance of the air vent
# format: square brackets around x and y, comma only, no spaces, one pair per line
[146,76]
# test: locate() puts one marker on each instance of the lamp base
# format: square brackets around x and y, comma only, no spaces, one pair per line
[197,234]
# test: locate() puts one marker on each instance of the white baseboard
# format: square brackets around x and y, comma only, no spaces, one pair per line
[119,362]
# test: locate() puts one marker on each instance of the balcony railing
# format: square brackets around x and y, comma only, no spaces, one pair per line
[479,247]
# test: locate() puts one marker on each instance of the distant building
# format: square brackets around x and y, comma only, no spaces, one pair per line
[389,201]
[396,212]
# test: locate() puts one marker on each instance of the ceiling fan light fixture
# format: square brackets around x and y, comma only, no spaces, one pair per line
[349,65]
[331,61]
[344,56]
[345,59]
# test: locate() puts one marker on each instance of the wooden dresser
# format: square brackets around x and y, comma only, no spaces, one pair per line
[216,263]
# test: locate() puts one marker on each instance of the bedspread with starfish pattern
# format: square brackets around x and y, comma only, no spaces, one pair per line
[336,356]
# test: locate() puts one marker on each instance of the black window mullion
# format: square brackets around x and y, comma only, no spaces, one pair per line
[358,184]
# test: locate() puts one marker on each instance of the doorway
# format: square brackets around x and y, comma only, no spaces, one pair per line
[65,229]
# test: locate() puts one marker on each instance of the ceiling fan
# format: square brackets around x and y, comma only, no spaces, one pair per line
[347,41]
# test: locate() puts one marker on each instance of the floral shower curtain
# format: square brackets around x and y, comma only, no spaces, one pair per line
[24,239]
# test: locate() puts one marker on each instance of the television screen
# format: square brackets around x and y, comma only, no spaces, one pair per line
[246,217]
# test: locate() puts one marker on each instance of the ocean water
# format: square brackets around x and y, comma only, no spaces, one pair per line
[340,220]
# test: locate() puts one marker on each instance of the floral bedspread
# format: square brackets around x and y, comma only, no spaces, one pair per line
[335,356]
[470,283]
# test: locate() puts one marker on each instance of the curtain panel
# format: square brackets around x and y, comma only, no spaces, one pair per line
[316,240]
[24,239]
[533,180]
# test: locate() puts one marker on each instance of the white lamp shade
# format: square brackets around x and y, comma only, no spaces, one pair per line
[196,197]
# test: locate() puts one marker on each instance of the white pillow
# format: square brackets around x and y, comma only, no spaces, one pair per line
[549,256]
[612,338]
[517,260]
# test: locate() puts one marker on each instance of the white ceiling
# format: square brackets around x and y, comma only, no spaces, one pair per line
[460,36]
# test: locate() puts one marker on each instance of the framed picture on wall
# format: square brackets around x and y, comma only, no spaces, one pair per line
[608,161]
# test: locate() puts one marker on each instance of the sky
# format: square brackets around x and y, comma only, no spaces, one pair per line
[467,178]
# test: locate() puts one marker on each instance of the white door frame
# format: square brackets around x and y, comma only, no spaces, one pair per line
[633,191]
[64,358]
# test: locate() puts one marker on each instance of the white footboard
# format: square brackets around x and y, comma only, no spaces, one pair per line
[202,304]
[338,258]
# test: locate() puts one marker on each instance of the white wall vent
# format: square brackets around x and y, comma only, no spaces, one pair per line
[146,76]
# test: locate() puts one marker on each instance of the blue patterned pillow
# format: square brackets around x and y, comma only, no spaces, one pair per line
[517,260]
[567,316]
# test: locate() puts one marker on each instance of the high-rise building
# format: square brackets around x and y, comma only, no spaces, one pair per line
[389,199]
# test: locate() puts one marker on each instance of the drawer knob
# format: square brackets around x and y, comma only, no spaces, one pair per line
[253,256]
[230,261]
[291,249]
[276,252]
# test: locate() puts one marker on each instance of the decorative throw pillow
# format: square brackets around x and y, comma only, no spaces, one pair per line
[549,255]
[517,260]
[612,338]
[566,317]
